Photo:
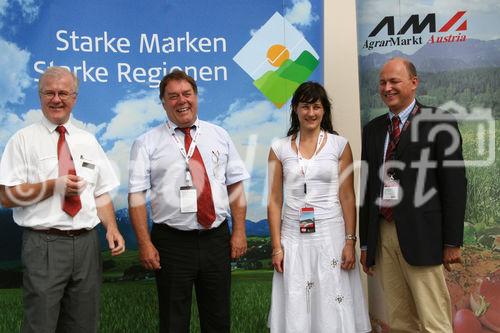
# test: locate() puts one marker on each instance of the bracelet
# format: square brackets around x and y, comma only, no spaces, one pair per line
[274,254]
[351,237]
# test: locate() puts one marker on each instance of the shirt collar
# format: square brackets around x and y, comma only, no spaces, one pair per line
[52,127]
[195,125]
[403,116]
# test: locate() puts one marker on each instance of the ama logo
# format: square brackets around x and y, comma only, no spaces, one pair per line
[278,58]
[446,34]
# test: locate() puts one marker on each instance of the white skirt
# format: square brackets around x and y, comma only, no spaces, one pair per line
[314,294]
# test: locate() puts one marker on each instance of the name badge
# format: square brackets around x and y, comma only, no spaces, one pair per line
[188,199]
[88,165]
[391,190]
[306,220]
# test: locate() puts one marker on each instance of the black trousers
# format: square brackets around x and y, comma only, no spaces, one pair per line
[199,258]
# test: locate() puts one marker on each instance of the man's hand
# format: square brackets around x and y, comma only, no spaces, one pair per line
[451,255]
[116,242]
[368,270]
[149,256]
[238,245]
[70,185]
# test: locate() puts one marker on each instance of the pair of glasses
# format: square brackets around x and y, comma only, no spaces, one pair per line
[63,95]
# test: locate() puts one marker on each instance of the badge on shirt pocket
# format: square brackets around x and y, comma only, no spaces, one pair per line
[306,220]
[87,169]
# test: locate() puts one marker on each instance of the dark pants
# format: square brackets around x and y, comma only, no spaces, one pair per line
[187,258]
[61,282]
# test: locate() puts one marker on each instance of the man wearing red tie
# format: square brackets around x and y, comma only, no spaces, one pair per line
[56,177]
[195,178]
[412,217]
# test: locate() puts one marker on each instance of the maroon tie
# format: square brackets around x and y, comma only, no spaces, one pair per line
[205,202]
[71,204]
[391,147]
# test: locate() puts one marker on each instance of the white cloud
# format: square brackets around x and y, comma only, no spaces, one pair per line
[10,123]
[14,77]
[89,127]
[30,9]
[253,126]
[134,116]
[3,7]
[119,157]
[301,13]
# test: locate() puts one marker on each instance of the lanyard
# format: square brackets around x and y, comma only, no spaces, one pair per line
[302,164]
[187,156]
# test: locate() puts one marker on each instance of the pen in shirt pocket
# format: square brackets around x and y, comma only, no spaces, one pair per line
[215,156]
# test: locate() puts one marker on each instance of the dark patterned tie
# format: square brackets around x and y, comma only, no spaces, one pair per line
[205,202]
[387,212]
[71,204]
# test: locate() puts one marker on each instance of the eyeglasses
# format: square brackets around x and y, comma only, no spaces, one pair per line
[63,95]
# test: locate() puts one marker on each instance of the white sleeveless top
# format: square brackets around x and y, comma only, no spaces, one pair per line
[321,177]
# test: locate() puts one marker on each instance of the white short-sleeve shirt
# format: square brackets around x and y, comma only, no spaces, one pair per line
[157,164]
[31,157]
[322,178]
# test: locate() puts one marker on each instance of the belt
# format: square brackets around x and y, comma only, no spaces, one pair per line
[58,232]
[163,226]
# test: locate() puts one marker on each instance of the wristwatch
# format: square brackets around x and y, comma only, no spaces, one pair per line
[351,237]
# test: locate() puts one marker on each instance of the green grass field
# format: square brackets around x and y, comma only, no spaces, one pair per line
[129,307]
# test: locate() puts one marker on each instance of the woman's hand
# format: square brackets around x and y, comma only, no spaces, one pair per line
[348,257]
[277,260]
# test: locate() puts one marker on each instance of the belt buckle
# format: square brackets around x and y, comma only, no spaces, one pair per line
[204,231]
[71,233]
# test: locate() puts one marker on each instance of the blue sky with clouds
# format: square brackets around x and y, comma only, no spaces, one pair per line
[117,112]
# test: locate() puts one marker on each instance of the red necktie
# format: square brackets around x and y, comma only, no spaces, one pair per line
[205,202]
[72,204]
[387,212]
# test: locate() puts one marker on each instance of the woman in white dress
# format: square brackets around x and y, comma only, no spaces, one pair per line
[312,221]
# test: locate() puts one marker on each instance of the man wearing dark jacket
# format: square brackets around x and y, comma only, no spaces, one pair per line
[412,215]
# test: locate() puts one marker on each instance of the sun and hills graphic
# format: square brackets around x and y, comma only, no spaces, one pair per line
[279,85]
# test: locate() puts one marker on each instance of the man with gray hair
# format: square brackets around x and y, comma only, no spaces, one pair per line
[57,179]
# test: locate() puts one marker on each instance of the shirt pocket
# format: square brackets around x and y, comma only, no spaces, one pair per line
[88,170]
[219,160]
[48,167]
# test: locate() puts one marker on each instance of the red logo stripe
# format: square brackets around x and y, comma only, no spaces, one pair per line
[454,20]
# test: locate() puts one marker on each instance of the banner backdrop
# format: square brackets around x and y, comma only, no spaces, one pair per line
[246,56]
[455,47]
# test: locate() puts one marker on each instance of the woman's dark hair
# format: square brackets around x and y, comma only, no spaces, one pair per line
[310,92]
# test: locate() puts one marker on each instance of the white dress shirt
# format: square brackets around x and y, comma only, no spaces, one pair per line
[31,157]
[157,164]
